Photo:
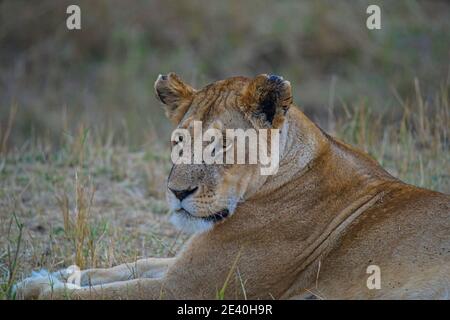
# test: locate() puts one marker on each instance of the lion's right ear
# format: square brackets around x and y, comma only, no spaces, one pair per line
[266,99]
[175,94]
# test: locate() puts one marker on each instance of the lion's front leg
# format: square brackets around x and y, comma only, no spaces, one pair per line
[132,289]
[32,287]
[143,268]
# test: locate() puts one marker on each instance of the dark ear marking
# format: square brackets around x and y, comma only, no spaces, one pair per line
[277,80]
[268,106]
[275,96]
[268,98]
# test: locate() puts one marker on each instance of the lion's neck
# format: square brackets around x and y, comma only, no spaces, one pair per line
[322,185]
[319,189]
[301,142]
[320,182]
[309,156]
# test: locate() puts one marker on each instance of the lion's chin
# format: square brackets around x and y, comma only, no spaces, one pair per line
[184,221]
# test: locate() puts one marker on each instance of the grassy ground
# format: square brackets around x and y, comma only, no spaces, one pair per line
[87,204]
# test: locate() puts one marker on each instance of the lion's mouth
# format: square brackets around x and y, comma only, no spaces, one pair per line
[217,217]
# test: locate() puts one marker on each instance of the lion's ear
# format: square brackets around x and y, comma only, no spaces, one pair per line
[175,94]
[266,100]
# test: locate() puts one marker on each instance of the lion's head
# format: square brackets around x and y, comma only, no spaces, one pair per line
[201,194]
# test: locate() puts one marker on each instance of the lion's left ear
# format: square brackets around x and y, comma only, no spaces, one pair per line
[266,99]
[175,95]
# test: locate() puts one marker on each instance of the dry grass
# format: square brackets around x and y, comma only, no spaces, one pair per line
[76,224]
[97,213]
[414,147]
[6,132]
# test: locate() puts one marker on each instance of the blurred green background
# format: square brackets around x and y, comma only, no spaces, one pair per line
[102,76]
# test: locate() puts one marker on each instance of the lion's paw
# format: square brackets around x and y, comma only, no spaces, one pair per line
[38,283]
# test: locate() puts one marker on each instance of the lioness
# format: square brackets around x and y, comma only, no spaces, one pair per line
[330,215]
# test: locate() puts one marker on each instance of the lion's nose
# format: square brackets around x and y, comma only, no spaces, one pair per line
[181,194]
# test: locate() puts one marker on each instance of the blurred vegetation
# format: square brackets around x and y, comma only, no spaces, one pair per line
[102,76]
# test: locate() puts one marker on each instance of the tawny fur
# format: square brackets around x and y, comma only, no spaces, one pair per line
[311,229]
